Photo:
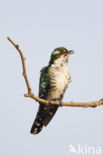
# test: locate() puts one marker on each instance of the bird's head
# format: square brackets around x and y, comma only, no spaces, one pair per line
[60,54]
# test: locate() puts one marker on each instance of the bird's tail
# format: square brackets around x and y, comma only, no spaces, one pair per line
[44,116]
[37,125]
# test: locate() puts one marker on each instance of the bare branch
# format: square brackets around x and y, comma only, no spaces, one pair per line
[31,95]
[23,64]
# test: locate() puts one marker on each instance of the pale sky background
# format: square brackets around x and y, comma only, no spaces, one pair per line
[39,27]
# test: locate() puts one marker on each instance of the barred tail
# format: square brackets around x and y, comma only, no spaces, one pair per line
[37,125]
[44,116]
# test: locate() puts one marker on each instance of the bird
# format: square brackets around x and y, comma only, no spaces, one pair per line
[54,80]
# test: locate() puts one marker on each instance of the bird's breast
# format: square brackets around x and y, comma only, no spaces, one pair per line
[58,82]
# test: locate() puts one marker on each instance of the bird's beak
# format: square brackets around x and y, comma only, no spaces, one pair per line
[70,52]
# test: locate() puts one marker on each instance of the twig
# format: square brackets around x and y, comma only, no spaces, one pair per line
[31,95]
[23,64]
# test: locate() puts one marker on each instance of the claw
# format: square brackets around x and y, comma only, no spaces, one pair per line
[49,102]
[60,103]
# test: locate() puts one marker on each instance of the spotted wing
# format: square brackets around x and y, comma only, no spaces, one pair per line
[44,86]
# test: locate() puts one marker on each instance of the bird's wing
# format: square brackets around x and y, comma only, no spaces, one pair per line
[46,111]
[44,86]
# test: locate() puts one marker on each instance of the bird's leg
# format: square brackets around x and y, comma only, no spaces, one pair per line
[60,102]
[69,78]
[49,102]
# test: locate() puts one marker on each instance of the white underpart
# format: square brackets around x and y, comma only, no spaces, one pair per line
[59,78]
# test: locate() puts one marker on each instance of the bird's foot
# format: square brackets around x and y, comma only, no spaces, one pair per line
[50,102]
[69,78]
[60,102]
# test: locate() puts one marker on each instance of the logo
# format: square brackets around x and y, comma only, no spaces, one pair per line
[85,150]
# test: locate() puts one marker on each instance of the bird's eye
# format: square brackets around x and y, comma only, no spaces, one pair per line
[62,52]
